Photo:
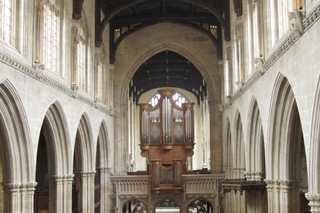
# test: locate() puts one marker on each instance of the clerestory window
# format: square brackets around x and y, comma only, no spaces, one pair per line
[6,20]
[80,54]
[48,35]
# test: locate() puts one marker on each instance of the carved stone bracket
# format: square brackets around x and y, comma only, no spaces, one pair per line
[75,89]
[38,68]
[295,22]
[258,65]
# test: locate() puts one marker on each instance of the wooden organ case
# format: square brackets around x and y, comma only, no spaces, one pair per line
[167,139]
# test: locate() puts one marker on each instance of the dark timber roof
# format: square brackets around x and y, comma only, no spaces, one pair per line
[167,68]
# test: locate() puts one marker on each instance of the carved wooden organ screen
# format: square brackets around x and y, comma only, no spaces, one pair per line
[167,139]
[167,118]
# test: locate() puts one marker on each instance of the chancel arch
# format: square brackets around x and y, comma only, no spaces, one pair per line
[286,169]
[55,136]
[15,153]
[84,167]
[131,61]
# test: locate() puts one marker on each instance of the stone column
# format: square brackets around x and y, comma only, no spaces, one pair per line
[269,188]
[106,188]
[314,202]
[276,198]
[12,201]
[60,193]
[85,186]
[285,195]
[91,191]
[103,190]
[67,192]
[18,197]
[28,197]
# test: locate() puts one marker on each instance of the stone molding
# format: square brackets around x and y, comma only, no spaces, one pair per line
[19,186]
[62,178]
[312,18]
[36,72]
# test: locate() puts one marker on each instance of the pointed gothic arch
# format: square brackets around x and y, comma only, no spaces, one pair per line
[286,149]
[313,161]
[238,147]
[57,141]
[15,151]
[84,166]
[255,163]
[105,158]
[84,145]
[255,159]
[227,152]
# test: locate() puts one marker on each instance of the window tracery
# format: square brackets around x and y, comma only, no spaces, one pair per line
[48,35]
[80,55]
[7,11]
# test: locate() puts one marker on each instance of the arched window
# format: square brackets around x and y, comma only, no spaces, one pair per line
[80,54]
[283,17]
[6,22]
[48,34]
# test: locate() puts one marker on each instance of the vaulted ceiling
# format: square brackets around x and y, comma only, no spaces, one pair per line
[125,17]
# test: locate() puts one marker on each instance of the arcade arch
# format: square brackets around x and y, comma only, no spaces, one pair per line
[15,152]
[286,167]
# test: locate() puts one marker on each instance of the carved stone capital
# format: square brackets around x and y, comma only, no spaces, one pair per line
[314,202]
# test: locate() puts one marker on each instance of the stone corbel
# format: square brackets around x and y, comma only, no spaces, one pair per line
[38,68]
[258,65]
[295,22]
[221,107]
[39,6]
[240,85]
[228,100]
[75,90]
[96,102]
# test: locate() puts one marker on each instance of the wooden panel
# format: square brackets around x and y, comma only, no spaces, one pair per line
[167,156]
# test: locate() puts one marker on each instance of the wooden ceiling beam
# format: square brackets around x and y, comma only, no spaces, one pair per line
[76,10]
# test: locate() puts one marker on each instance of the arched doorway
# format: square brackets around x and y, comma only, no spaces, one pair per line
[200,206]
[134,206]
[167,206]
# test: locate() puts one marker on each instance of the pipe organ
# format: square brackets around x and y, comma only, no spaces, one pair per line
[167,139]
